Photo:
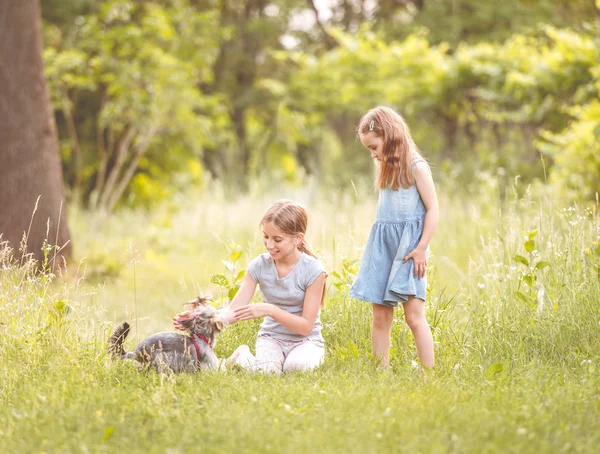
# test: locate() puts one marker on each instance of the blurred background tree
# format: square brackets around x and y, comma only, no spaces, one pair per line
[153,97]
[33,216]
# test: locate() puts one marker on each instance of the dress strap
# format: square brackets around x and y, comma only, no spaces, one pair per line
[415,160]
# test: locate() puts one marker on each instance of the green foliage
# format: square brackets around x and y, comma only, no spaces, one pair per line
[522,381]
[533,293]
[346,275]
[478,95]
[143,89]
[576,154]
[64,13]
[130,70]
[476,20]
[231,284]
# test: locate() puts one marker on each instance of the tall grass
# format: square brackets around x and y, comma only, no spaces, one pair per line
[516,346]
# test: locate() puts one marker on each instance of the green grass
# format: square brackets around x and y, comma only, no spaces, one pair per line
[512,375]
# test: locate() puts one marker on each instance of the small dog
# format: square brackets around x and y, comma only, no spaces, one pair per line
[174,352]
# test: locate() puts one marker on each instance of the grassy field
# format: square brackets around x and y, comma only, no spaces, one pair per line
[513,303]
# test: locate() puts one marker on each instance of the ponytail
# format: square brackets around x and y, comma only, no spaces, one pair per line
[303,247]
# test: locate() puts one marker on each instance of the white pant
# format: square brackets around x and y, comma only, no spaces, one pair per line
[274,356]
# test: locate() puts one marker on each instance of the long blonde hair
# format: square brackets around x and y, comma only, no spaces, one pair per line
[291,218]
[394,171]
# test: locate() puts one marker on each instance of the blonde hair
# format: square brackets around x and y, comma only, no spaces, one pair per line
[291,218]
[398,147]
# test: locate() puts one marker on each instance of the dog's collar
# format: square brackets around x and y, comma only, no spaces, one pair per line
[195,343]
[204,338]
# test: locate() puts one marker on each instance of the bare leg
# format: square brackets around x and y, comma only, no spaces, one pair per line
[380,335]
[414,314]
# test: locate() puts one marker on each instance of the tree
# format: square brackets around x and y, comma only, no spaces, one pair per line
[31,188]
[251,80]
[125,82]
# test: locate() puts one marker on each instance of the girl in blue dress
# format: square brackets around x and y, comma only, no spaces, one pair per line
[393,267]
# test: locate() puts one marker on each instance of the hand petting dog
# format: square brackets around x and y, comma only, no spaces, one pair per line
[252,311]
[226,315]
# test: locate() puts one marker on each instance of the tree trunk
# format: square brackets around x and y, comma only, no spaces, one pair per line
[29,157]
[597,8]
[450,129]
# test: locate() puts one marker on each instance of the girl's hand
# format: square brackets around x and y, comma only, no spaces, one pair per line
[251,311]
[178,318]
[227,315]
[420,259]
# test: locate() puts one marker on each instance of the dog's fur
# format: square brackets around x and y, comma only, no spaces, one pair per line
[175,352]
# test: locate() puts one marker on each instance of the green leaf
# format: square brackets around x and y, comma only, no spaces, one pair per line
[353,349]
[532,234]
[494,369]
[235,256]
[521,297]
[529,246]
[529,279]
[233,291]
[597,250]
[239,276]
[275,87]
[597,128]
[521,259]
[62,308]
[229,265]
[220,280]
[541,265]
[108,433]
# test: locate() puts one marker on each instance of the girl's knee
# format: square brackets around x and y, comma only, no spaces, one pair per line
[414,313]
[415,321]
[305,357]
[382,316]
[306,365]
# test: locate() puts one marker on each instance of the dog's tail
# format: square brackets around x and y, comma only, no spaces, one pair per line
[115,341]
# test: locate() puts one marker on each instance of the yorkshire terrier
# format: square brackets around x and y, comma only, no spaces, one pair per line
[175,352]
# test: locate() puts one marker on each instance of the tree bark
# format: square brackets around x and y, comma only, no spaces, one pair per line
[597,9]
[29,155]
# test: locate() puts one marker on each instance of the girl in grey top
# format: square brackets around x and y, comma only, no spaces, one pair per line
[292,284]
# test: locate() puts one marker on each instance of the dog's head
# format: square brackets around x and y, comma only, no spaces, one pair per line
[200,318]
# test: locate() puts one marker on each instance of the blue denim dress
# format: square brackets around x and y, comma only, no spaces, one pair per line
[383,277]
